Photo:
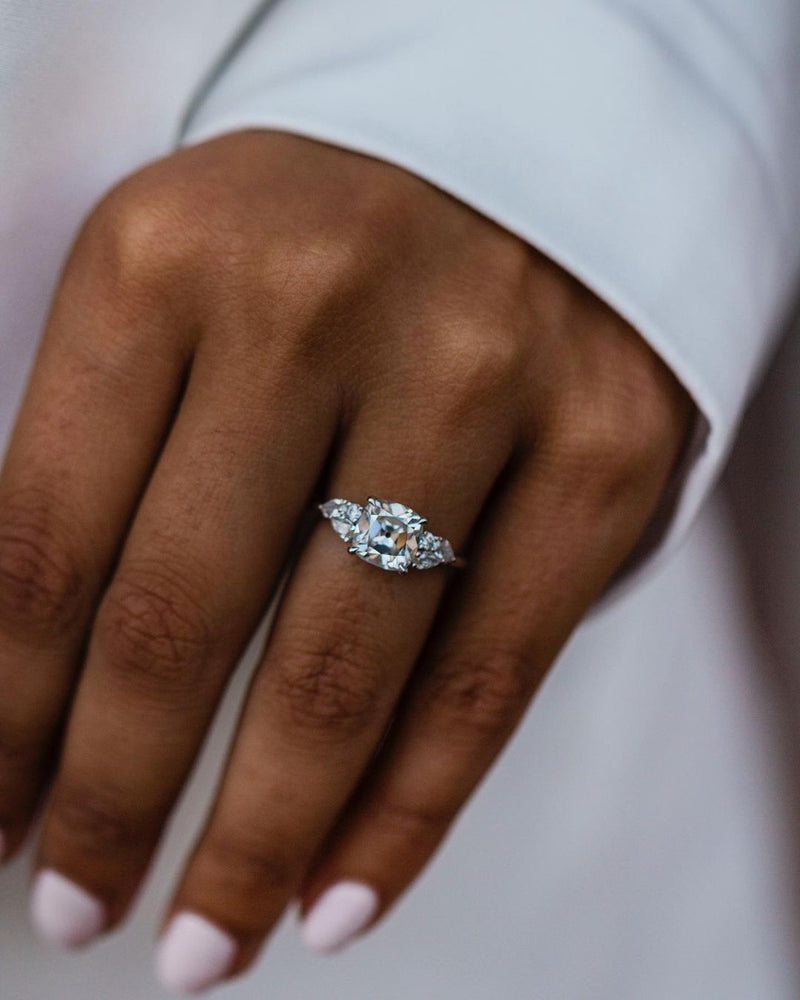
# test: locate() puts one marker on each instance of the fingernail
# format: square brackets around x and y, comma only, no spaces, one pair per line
[193,954]
[63,913]
[338,915]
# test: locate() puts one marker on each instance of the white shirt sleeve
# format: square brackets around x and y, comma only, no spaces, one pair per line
[650,147]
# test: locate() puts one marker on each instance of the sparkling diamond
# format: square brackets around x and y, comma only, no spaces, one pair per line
[427,550]
[343,515]
[387,535]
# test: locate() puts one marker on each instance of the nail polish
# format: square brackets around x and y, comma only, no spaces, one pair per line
[193,954]
[62,912]
[338,915]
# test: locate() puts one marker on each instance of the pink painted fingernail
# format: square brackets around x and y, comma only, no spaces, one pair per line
[193,954]
[63,913]
[338,915]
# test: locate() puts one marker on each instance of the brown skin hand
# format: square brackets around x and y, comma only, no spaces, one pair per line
[240,328]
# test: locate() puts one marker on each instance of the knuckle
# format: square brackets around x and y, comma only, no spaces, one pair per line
[141,234]
[330,684]
[308,282]
[153,630]
[41,585]
[484,693]
[245,865]
[412,821]
[475,367]
[383,216]
[593,439]
[613,440]
[332,269]
[92,821]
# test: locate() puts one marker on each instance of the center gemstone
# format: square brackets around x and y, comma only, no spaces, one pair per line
[387,535]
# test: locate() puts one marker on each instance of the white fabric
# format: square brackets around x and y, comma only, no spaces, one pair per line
[590,128]
[630,843]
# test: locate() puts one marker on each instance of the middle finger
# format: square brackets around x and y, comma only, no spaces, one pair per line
[194,576]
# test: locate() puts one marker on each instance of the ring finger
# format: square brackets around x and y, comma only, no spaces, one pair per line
[344,642]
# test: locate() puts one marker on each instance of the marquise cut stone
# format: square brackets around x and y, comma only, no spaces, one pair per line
[343,515]
[330,506]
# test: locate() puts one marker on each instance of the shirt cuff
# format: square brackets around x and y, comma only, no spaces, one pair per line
[579,130]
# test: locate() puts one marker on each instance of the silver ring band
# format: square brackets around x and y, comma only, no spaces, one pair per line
[388,534]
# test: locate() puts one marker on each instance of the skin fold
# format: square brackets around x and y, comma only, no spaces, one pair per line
[242,328]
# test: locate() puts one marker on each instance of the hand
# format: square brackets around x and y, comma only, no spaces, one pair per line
[241,328]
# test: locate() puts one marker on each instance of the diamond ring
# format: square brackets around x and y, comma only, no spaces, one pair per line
[388,534]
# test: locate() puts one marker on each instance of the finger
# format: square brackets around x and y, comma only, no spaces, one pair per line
[548,549]
[344,641]
[205,549]
[106,378]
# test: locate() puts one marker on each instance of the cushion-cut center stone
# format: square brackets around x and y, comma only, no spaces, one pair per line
[387,535]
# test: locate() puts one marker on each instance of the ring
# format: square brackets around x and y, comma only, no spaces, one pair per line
[388,534]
